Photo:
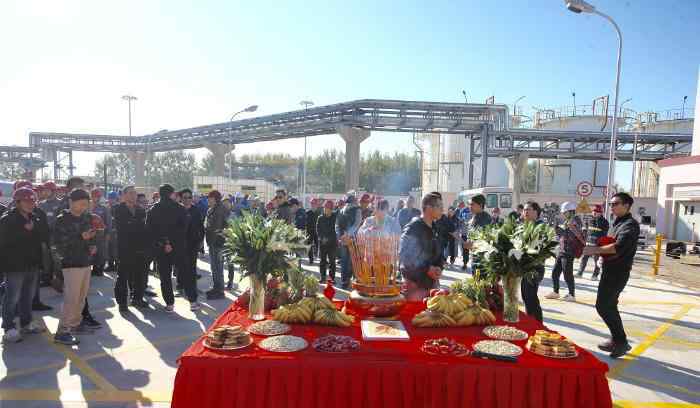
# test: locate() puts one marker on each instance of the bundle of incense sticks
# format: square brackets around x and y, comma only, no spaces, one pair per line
[375,259]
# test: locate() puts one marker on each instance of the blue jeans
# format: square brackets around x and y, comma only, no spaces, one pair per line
[20,288]
[216,261]
[345,264]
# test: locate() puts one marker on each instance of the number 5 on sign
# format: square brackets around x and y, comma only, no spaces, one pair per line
[584,189]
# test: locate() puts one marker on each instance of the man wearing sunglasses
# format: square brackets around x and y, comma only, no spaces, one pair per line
[617,264]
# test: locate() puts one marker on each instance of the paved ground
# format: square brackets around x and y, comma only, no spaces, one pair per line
[132,361]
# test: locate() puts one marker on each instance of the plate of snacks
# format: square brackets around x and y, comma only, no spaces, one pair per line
[335,344]
[552,345]
[227,338]
[269,328]
[509,333]
[444,347]
[498,348]
[283,344]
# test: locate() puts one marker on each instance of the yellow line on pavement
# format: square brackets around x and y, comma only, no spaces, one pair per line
[90,357]
[671,387]
[635,333]
[17,394]
[79,363]
[648,342]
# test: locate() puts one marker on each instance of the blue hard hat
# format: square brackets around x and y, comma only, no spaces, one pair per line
[112,195]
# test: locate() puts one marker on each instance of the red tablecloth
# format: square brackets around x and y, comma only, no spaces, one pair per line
[384,374]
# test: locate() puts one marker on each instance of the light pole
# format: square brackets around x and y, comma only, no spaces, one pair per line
[306,105]
[580,6]
[251,108]
[515,105]
[685,98]
[129,98]
[465,96]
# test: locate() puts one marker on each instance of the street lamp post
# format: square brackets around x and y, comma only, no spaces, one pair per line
[306,105]
[580,6]
[251,108]
[465,96]
[129,98]
[685,98]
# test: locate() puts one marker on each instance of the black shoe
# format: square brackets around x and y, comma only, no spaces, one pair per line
[620,350]
[149,293]
[123,309]
[40,307]
[141,304]
[90,322]
[607,346]
[215,295]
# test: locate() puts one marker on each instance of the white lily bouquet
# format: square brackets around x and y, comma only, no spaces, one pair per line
[513,251]
[262,247]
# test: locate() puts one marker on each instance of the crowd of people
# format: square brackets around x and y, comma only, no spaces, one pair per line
[47,239]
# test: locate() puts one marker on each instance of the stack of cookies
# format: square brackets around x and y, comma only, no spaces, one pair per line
[227,337]
[549,344]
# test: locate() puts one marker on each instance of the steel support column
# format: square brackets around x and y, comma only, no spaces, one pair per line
[352,137]
[469,161]
[484,155]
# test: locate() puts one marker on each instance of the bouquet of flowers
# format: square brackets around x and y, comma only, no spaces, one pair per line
[512,251]
[262,247]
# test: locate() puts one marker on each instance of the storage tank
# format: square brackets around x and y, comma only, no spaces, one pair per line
[561,176]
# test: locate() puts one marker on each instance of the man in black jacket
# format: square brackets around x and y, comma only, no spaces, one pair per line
[216,221]
[328,241]
[74,245]
[421,258]
[194,237]
[311,219]
[130,223]
[166,226]
[617,264]
[20,260]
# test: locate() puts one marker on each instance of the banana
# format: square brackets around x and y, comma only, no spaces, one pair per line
[325,303]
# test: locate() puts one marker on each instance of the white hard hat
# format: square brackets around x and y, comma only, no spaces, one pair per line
[568,206]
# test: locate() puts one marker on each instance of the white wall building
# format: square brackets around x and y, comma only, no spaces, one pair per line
[260,187]
[678,213]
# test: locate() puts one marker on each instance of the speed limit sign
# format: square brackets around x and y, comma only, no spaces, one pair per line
[584,189]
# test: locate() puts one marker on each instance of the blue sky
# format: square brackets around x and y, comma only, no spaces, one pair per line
[66,64]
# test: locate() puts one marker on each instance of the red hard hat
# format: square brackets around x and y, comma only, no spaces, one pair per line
[96,222]
[96,193]
[24,193]
[50,185]
[22,183]
[366,198]
[328,204]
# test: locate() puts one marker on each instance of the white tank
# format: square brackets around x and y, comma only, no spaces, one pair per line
[561,176]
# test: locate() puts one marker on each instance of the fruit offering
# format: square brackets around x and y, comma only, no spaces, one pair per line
[315,303]
[269,328]
[283,344]
[505,333]
[452,309]
[429,318]
[293,313]
[335,344]
[332,317]
[227,338]
[498,348]
[444,347]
